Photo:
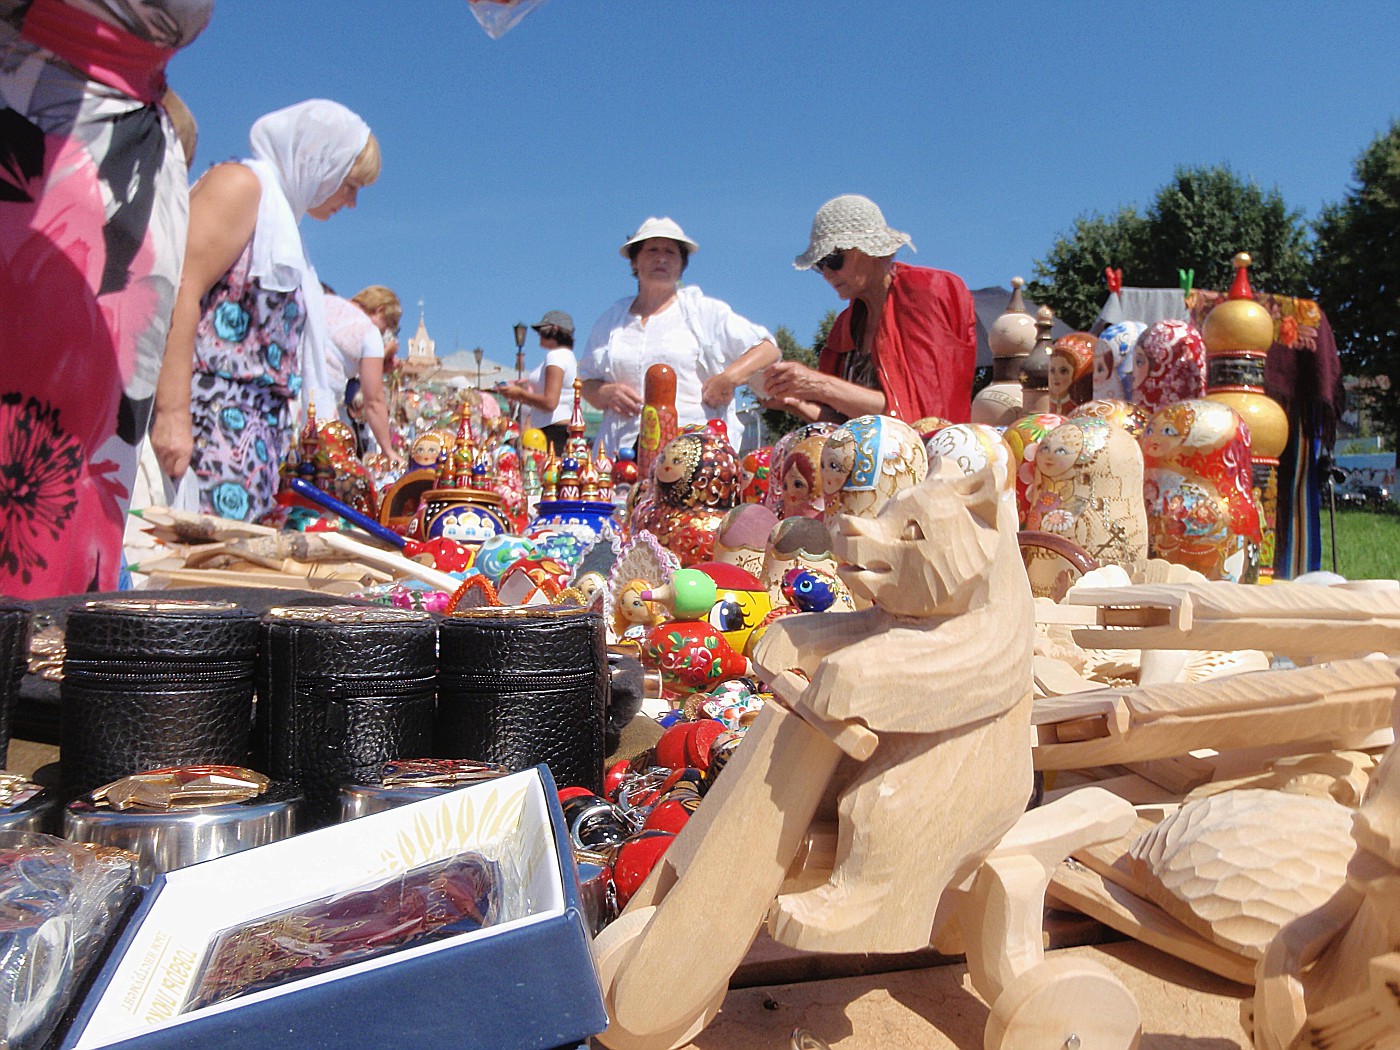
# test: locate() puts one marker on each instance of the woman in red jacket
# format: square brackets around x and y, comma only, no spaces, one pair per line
[906,344]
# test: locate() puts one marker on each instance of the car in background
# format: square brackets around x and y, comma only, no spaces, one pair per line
[1354,491]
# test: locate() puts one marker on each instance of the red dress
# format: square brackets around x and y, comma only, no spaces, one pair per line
[925,347]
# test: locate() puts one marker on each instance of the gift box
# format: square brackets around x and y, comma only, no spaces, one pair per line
[525,981]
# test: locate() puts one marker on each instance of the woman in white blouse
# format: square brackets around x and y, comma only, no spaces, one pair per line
[711,348]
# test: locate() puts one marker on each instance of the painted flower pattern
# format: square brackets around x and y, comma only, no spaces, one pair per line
[39,469]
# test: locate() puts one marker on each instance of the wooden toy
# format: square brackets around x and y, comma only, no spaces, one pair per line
[695,482]
[742,537]
[659,420]
[1132,418]
[1034,371]
[1070,380]
[1169,364]
[866,461]
[1113,360]
[799,542]
[1023,438]
[1201,510]
[855,710]
[1011,338]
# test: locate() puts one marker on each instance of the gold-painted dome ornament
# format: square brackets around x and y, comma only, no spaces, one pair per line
[1239,325]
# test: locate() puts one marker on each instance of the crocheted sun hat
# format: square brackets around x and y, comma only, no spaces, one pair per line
[850,221]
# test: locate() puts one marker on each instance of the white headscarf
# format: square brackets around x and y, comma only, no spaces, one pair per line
[301,155]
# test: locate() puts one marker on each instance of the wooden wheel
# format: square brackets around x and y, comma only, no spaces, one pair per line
[1064,1004]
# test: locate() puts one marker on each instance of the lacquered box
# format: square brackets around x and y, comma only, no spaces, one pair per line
[524,983]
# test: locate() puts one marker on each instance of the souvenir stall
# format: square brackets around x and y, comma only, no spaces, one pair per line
[505,727]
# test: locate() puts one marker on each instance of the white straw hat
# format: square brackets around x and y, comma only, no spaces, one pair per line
[850,221]
[655,227]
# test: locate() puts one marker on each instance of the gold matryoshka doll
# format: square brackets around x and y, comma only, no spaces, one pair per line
[867,460]
[1201,510]
[1088,489]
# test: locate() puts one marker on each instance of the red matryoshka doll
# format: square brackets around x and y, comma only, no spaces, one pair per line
[1071,377]
[1113,360]
[695,482]
[1132,418]
[866,461]
[659,422]
[1169,364]
[1022,438]
[756,466]
[1088,488]
[1201,510]
[781,448]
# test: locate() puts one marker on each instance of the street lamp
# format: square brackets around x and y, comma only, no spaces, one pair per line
[477,353]
[519,331]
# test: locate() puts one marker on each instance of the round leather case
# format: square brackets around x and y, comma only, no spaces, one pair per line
[14,658]
[150,683]
[341,691]
[523,685]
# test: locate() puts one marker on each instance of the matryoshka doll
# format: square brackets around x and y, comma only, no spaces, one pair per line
[781,447]
[1113,360]
[1201,511]
[1088,488]
[1023,437]
[1169,364]
[866,461]
[800,483]
[633,615]
[1071,376]
[695,482]
[1132,418]
[971,446]
[742,537]
[756,465]
[800,543]
[659,422]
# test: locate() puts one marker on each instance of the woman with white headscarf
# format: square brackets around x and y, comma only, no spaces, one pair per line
[247,338]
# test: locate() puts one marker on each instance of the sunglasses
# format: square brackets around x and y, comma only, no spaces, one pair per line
[832,262]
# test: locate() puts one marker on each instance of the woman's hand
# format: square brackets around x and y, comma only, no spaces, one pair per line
[172,439]
[807,411]
[718,391]
[619,398]
[510,391]
[792,379]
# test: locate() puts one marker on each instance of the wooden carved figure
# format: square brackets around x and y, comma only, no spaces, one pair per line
[1201,510]
[1071,375]
[1088,488]
[1329,979]
[1011,338]
[866,461]
[1169,364]
[1113,360]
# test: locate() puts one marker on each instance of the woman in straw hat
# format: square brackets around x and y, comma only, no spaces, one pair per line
[906,344]
[711,348]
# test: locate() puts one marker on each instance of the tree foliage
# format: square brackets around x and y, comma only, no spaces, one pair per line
[1356,273]
[1198,221]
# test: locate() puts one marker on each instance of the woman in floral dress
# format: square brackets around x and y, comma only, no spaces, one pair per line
[93,205]
[247,339]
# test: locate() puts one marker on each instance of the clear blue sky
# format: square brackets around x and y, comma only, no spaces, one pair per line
[514,169]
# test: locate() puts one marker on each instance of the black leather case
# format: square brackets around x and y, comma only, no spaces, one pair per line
[525,685]
[341,691]
[154,682]
[14,658]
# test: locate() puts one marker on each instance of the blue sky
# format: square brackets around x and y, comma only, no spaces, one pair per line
[514,168]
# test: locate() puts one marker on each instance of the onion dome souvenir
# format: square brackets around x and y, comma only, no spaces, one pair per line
[1238,333]
[1071,377]
[867,460]
[1011,338]
[1113,360]
[1201,511]
[1034,369]
[1169,364]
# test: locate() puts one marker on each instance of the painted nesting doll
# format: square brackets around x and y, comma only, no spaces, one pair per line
[695,482]
[1113,360]
[971,446]
[1132,418]
[781,447]
[800,484]
[866,461]
[1088,488]
[799,543]
[757,467]
[1201,510]
[1023,437]
[1169,364]
[1071,377]
[742,537]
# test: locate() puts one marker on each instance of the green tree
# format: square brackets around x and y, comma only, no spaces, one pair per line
[1198,221]
[776,422]
[1357,275]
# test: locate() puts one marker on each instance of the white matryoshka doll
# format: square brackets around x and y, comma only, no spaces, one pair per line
[866,461]
[1113,360]
[971,446]
[1169,364]
[1088,489]
[1201,510]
